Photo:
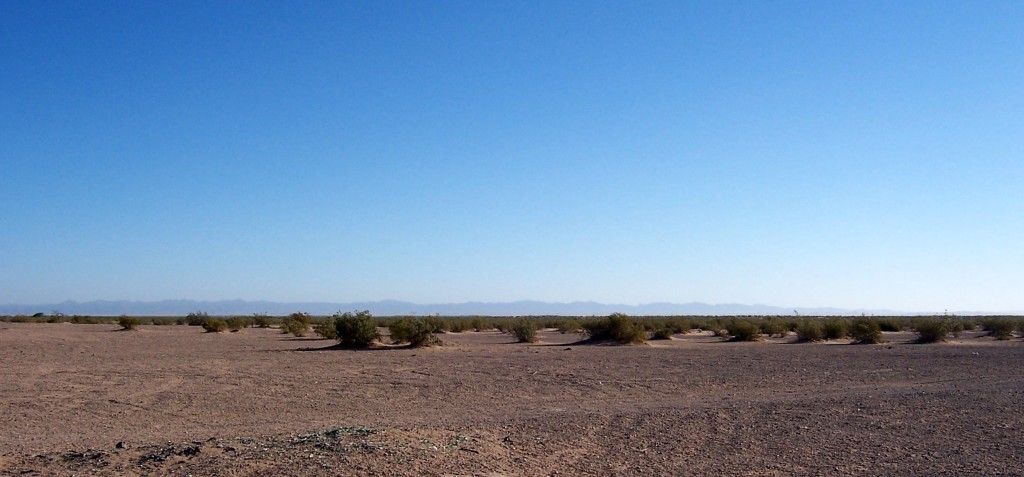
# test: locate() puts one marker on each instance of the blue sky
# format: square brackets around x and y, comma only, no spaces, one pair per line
[850,154]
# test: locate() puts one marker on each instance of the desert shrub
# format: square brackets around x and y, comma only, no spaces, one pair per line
[931,330]
[196,318]
[214,325]
[260,320]
[891,324]
[956,327]
[836,329]
[504,326]
[480,324]
[325,329]
[458,326]
[85,320]
[415,331]
[773,327]
[810,330]
[866,331]
[128,322]
[524,330]
[1020,327]
[236,323]
[999,328]
[296,323]
[662,333]
[679,326]
[616,327]
[162,321]
[438,324]
[355,330]
[568,326]
[744,330]
[969,325]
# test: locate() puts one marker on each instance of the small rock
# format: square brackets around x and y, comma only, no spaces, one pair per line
[121,445]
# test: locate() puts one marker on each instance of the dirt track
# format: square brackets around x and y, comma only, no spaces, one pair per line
[260,403]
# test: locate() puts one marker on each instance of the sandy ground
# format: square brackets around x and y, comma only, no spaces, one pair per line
[173,400]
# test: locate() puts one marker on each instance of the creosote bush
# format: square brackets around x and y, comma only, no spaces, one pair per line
[773,327]
[616,327]
[196,318]
[236,323]
[418,332]
[524,330]
[325,329]
[743,330]
[836,329]
[356,330]
[260,320]
[866,331]
[810,330]
[214,325]
[664,333]
[932,330]
[892,324]
[128,322]
[568,326]
[999,328]
[296,323]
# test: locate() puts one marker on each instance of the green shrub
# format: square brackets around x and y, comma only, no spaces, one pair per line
[744,330]
[999,328]
[524,330]
[439,325]
[196,318]
[355,330]
[892,324]
[810,330]
[418,332]
[296,323]
[213,325]
[663,333]
[679,326]
[458,326]
[260,320]
[772,327]
[236,323]
[866,331]
[162,321]
[836,329]
[85,320]
[931,330]
[325,329]
[568,326]
[128,322]
[616,327]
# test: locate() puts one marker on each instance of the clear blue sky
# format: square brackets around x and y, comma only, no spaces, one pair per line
[851,154]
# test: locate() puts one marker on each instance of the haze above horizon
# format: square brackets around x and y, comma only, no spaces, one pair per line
[805,154]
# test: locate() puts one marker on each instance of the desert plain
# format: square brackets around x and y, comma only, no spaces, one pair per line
[172,400]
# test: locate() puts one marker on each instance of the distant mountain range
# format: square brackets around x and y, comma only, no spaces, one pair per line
[393,308]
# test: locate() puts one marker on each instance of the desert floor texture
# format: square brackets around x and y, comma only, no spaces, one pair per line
[173,400]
